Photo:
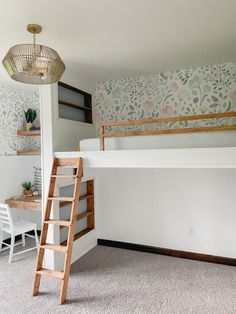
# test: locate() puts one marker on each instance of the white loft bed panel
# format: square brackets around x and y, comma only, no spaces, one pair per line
[186,140]
[220,157]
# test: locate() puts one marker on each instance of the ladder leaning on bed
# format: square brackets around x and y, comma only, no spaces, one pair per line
[75,163]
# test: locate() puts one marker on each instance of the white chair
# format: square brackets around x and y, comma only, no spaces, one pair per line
[14,229]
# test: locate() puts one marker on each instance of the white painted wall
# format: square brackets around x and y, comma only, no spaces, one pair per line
[45,93]
[57,134]
[13,171]
[184,209]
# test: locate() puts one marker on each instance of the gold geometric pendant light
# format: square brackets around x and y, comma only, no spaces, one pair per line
[33,64]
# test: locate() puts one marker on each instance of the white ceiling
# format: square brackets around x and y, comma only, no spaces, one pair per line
[108,39]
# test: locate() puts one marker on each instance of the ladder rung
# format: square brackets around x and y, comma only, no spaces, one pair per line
[67,162]
[63,223]
[54,247]
[68,167]
[61,198]
[85,214]
[50,273]
[64,176]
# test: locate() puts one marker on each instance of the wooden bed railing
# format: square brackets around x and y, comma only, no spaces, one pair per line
[215,128]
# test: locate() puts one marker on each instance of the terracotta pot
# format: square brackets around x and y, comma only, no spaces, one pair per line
[28,193]
[28,126]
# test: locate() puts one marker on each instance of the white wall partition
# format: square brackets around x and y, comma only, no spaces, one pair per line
[57,134]
[183,209]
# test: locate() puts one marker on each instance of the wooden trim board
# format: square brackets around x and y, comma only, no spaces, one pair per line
[169,252]
[172,119]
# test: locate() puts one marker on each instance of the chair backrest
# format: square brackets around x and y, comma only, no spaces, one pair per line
[5,216]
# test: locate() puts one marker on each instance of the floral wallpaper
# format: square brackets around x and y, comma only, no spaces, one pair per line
[207,89]
[13,102]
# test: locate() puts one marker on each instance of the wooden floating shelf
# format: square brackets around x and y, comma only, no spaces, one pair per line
[81,198]
[82,233]
[88,214]
[65,103]
[63,204]
[29,133]
[83,215]
[85,197]
[78,235]
[29,153]
[80,216]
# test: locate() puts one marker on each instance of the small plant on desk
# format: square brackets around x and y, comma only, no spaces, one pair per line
[27,188]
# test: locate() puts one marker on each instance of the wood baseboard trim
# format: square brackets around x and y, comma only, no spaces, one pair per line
[169,252]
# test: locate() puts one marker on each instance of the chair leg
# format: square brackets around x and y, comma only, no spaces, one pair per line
[23,239]
[1,237]
[36,238]
[12,248]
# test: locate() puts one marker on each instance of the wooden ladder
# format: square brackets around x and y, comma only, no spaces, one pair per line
[76,163]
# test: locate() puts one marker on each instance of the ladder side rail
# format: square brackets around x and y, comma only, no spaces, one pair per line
[71,232]
[44,232]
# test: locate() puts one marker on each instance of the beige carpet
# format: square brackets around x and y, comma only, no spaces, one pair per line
[109,280]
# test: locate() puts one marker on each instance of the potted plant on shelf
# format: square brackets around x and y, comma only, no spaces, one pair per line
[27,188]
[30,116]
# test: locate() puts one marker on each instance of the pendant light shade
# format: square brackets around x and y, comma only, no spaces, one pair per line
[33,64]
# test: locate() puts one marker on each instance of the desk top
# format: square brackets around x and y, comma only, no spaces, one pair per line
[29,203]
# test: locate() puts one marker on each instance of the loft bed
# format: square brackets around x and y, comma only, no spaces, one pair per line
[212,144]
[102,153]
